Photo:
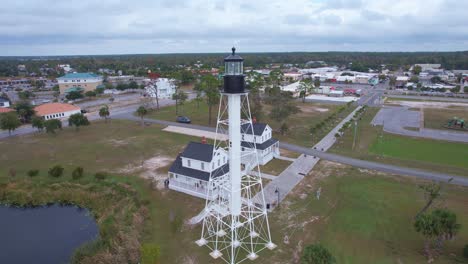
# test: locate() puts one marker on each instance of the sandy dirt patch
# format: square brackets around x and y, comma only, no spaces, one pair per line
[194,132]
[313,109]
[154,168]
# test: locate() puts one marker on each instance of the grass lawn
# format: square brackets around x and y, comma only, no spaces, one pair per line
[375,145]
[107,147]
[438,118]
[430,151]
[275,166]
[398,99]
[360,217]
[98,147]
[299,124]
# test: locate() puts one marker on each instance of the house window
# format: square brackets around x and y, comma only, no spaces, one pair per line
[224,159]
[203,165]
[242,137]
[219,162]
[189,163]
[212,166]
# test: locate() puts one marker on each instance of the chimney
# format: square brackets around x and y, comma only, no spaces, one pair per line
[254,120]
[203,140]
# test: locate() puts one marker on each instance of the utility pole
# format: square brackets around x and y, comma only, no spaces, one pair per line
[355,128]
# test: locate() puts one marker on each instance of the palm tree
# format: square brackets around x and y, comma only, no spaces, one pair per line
[141,112]
[104,112]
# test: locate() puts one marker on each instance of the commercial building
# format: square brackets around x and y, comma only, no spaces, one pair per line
[4,102]
[163,88]
[84,81]
[56,110]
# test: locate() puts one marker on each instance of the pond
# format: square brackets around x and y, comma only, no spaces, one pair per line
[47,234]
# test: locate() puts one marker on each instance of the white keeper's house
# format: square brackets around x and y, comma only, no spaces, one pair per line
[267,147]
[191,170]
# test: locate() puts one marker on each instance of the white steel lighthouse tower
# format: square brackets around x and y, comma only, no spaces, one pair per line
[235,224]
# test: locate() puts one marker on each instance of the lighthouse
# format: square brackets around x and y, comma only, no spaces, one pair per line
[235,224]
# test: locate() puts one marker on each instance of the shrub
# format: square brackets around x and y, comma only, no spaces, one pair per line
[465,251]
[33,173]
[100,175]
[149,253]
[316,254]
[56,171]
[337,135]
[77,173]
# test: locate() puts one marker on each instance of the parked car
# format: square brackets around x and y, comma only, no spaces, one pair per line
[183,119]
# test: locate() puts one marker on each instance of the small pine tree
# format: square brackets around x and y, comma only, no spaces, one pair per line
[77,173]
[56,171]
[33,173]
[100,175]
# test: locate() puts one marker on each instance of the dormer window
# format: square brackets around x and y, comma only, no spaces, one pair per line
[189,163]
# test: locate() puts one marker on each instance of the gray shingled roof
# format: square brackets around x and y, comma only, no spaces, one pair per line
[258,128]
[198,151]
[262,146]
[177,168]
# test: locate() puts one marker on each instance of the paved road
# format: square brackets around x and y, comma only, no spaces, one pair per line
[378,166]
[459,180]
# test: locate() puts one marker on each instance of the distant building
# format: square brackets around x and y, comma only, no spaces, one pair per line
[106,71]
[427,66]
[374,80]
[65,67]
[293,88]
[363,79]
[73,81]
[295,76]
[335,93]
[21,68]
[164,88]
[56,110]
[4,102]
[345,78]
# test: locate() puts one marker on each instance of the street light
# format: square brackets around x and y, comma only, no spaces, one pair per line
[278,193]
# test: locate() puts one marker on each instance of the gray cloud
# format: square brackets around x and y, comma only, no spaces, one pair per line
[30,27]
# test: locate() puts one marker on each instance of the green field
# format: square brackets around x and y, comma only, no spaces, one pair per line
[435,152]
[275,166]
[438,118]
[375,145]
[299,124]
[361,217]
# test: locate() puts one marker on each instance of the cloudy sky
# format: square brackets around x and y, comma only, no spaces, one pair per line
[58,27]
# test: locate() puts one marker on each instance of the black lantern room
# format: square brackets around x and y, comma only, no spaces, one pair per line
[234,81]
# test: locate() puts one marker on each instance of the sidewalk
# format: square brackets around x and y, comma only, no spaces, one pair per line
[276,190]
